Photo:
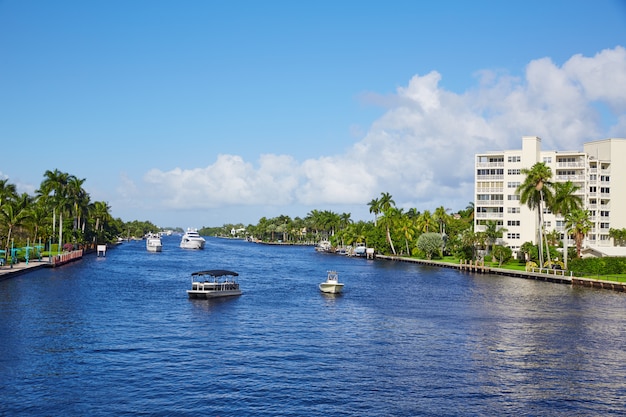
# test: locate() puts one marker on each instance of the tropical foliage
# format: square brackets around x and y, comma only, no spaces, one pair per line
[60,215]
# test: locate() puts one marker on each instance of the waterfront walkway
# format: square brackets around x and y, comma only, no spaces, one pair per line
[547,275]
[7,271]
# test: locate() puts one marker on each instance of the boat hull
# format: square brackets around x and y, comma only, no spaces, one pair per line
[331,288]
[192,244]
[204,295]
[154,248]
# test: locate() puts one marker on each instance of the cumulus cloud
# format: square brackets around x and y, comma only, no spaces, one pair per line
[422,149]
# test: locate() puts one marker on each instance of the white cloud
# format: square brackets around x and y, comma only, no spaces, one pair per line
[422,149]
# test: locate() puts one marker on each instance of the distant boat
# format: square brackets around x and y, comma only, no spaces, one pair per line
[192,240]
[204,287]
[332,284]
[323,246]
[153,243]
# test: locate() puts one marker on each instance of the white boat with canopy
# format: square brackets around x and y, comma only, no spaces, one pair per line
[214,283]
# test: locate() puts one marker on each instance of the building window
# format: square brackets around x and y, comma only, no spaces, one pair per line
[513,184]
[605,190]
[512,236]
[513,197]
[514,171]
[514,158]
[604,213]
[547,159]
[512,223]
[513,210]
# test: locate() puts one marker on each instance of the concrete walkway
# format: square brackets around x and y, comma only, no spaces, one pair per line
[6,271]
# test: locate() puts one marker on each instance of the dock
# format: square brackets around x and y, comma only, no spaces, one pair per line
[544,274]
[8,271]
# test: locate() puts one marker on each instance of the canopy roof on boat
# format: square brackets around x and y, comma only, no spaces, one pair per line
[216,273]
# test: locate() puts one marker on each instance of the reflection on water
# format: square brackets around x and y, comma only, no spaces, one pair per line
[118,335]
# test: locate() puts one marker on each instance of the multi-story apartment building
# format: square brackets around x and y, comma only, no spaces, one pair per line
[599,170]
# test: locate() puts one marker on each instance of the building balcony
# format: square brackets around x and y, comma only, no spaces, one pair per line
[489,177]
[576,164]
[490,190]
[489,215]
[572,178]
[491,202]
[489,164]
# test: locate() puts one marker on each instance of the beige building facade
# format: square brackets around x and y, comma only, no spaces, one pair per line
[599,170]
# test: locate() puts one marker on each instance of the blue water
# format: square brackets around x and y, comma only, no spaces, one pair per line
[118,336]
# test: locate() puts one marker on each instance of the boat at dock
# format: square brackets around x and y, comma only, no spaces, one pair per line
[214,283]
[332,284]
[192,240]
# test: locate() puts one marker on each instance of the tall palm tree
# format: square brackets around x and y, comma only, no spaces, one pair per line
[14,213]
[564,201]
[442,216]
[375,209]
[7,191]
[387,206]
[493,232]
[425,222]
[577,222]
[56,183]
[535,189]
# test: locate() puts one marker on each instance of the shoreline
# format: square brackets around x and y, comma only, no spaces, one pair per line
[537,276]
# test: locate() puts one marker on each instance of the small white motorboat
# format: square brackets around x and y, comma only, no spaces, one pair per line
[153,243]
[192,240]
[332,284]
[210,284]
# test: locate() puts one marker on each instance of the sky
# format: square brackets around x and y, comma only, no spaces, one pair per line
[201,113]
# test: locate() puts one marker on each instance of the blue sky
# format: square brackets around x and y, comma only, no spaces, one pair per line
[201,113]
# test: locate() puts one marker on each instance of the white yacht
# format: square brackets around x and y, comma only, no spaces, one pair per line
[332,284]
[192,240]
[204,287]
[153,243]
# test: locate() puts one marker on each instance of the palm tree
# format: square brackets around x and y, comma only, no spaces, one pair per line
[565,201]
[375,208]
[577,222]
[493,232]
[56,182]
[14,213]
[425,222]
[407,228]
[535,189]
[442,216]
[387,206]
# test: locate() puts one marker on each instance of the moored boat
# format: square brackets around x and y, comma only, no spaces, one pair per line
[332,284]
[211,284]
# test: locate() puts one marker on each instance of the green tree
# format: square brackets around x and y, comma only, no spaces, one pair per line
[564,201]
[535,189]
[387,206]
[577,222]
[429,244]
[502,254]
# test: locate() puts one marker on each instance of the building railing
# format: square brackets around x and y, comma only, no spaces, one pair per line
[489,177]
[490,164]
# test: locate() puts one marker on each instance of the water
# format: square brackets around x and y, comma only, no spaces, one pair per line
[118,336]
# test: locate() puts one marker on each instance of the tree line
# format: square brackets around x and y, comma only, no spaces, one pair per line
[60,213]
